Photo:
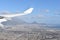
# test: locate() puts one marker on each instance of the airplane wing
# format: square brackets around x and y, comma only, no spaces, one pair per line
[24,13]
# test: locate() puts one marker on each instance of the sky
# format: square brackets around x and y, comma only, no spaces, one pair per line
[45,11]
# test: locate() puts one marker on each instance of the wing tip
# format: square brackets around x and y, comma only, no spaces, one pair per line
[29,11]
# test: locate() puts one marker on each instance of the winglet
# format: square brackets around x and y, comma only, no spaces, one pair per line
[28,11]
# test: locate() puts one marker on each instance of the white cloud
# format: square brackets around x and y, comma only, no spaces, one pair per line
[4,12]
[45,11]
[57,12]
[39,16]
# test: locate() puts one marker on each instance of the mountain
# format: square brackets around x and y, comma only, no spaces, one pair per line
[13,22]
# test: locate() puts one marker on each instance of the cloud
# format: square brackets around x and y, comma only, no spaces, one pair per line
[39,16]
[45,11]
[4,12]
[57,12]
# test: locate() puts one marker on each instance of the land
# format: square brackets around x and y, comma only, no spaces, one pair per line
[29,32]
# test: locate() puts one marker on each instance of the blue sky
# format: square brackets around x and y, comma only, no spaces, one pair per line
[45,11]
